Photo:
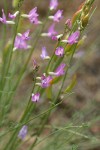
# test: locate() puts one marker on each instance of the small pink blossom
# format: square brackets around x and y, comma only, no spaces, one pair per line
[58,16]
[35,97]
[53,4]
[25,35]
[20,41]
[52,31]
[4,20]
[73,38]
[33,16]
[59,51]
[13,16]
[23,132]
[45,81]
[69,23]
[44,54]
[60,70]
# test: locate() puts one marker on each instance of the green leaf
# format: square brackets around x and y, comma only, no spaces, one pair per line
[49,92]
[56,80]
[71,85]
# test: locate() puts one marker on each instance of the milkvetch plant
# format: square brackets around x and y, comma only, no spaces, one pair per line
[55,72]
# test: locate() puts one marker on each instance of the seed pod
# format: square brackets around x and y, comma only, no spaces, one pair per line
[84,20]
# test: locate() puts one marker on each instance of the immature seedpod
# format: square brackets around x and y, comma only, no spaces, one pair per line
[84,20]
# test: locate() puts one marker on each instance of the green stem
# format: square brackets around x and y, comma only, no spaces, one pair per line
[11,142]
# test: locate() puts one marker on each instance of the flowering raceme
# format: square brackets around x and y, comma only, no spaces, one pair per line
[51,84]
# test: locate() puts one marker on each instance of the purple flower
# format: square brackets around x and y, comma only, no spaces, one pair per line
[73,38]
[58,16]
[33,16]
[35,97]
[22,133]
[25,35]
[20,41]
[68,23]
[45,81]
[44,54]
[51,31]
[60,70]
[3,19]
[13,16]
[59,51]
[53,4]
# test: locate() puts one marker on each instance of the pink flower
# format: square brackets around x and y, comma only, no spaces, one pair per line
[53,4]
[60,70]
[73,38]
[25,35]
[33,16]
[23,132]
[51,31]
[58,16]
[45,81]
[44,54]
[35,97]
[13,16]
[4,20]
[20,41]
[59,51]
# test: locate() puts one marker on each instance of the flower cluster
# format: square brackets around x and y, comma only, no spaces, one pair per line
[21,41]
[47,78]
